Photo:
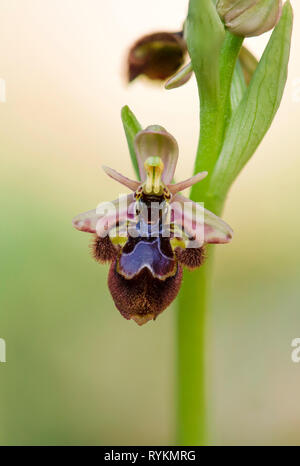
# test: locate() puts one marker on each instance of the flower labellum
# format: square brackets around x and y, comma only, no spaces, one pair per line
[157,56]
[150,235]
[249,18]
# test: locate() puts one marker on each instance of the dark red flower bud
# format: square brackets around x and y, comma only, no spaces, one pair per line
[157,56]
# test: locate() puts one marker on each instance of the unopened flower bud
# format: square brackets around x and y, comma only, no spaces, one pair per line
[249,17]
[157,56]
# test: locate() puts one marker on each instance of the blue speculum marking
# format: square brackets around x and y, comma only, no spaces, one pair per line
[148,249]
[153,253]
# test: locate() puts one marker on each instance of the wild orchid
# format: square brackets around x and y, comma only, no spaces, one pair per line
[157,56]
[148,246]
[151,234]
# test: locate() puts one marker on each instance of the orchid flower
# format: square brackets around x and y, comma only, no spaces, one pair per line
[157,56]
[152,233]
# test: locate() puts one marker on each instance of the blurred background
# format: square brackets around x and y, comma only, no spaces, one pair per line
[76,371]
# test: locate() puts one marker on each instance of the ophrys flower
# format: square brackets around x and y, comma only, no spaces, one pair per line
[149,235]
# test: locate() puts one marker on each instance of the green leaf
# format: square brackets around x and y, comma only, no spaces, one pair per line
[205,35]
[244,70]
[131,128]
[256,111]
[249,64]
[215,117]
[238,86]
[180,78]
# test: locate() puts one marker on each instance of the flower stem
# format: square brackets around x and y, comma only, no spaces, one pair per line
[191,320]
[192,307]
[214,55]
[215,116]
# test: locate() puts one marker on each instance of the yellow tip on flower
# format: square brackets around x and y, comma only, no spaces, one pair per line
[154,168]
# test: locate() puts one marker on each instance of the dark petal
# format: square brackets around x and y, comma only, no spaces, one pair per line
[154,254]
[103,250]
[191,258]
[158,56]
[143,297]
[165,247]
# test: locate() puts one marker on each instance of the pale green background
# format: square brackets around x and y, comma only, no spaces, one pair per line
[76,371]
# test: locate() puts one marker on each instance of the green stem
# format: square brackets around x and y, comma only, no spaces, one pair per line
[229,55]
[193,303]
[205,38]
[191,320]
[214,79]
[215,115]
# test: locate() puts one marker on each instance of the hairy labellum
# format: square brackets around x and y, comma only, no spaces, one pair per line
[190,258]
[143,297]
[148,236]
[103,250]
[145,276]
